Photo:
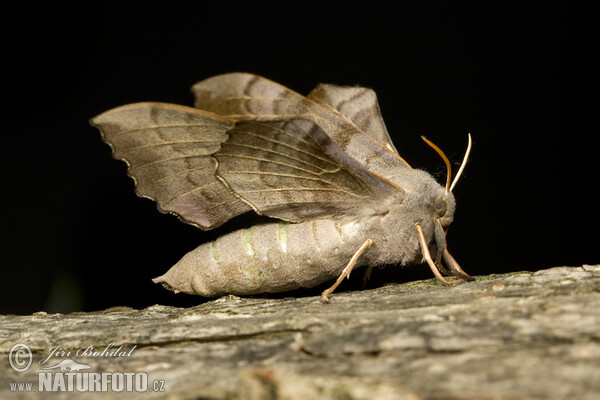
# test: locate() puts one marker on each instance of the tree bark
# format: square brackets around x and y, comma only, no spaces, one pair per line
[524,335]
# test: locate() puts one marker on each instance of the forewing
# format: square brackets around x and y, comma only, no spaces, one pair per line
[357,104]
[281,170]
[168,150]
[254,144]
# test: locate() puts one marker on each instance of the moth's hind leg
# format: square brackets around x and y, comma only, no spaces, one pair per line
[346,272]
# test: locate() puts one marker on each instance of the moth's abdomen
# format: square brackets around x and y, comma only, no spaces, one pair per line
[272,257]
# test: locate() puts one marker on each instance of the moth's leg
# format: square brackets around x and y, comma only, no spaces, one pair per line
[367,276]
[440,245]
[346,272]
[439,265]
[425,252]
[442,249]
[455,267]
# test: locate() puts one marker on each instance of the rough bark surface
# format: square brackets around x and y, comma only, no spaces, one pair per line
[514,336]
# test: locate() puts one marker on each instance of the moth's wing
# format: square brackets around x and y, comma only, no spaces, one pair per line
[206,170]
[357,104]
[242,97]
[168,150]
[242,94]
[283,169]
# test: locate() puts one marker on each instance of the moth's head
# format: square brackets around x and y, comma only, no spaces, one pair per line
[442,201]
[442,206]
[426,201]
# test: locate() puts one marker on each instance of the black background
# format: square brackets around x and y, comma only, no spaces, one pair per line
[521,78]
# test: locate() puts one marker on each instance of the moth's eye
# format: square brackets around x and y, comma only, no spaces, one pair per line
[440,207]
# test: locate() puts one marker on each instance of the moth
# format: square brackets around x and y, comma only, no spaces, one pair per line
[322,166]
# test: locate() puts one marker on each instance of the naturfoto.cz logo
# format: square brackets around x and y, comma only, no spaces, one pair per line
[69,375]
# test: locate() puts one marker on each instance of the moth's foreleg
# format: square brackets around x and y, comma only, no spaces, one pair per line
[455,267]
[442,248]
[440,240]
[430,262]
[440,266]
[346,272]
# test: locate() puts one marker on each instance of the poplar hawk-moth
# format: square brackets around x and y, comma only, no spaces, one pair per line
[322,166]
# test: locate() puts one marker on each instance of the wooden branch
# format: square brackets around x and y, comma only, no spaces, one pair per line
[519,335]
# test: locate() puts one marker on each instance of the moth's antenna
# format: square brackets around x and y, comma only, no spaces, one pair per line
[441,153]
[462,166]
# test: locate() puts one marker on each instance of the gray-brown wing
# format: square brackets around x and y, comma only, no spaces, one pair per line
[357,104]
[282,170]
[206,169]
[243,97]
[168,150]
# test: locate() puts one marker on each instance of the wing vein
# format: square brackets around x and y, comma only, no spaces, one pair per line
[154,127]
[170,159]
[190,192]
[266,160]
[283,131]
[286,145]
[170,143]
[300,177]
[214,205]
[283,155]
[180,173]
[287,189]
